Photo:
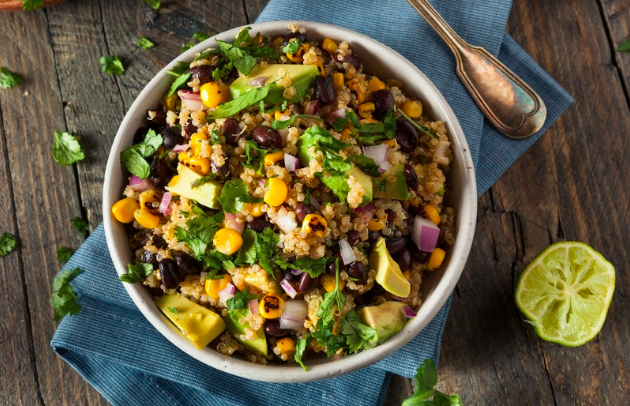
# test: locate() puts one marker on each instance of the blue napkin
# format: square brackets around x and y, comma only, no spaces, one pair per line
[115,349]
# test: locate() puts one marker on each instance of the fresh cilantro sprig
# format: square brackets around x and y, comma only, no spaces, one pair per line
[145,43]
[222,71]
[9,79]
[313,267]
[137,272]
[112,65]
[358,335]
[133,158]
[426,378]
[240,300]
[292,46]
[279,125]
[200,232]
[247,253]
[64,254]
[240,58]
[323,333]
[80,225]
[154,4]
[32,4]
[245,100]
[8,243]
[63,299]
[181,75]
[234,195]
[625,47]
[300,347]
[196,38]
[253,154]
[66,149]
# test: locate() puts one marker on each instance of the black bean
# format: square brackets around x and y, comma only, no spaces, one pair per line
[403,259]
[187,264]
[419,256]
[395,244]
[289,276]
[159,119]
[411,177]
[220,170]
[330,266]
[149,258]
[352,60]
[156,292]
[172,136]
[373,236]
[259,224]
[190,129]
[266,137]
[406,135]
[160,172]
[230,130]
[272,328]
[202,72]
[358,271]
[160,242]
[324,89]
[383,102]
[169,273]
[302,210]
[289,36]
[138,137]
[306,283]
[353,237]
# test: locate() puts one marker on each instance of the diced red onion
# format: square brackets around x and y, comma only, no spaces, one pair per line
[315,203]
[258,82]
[231,222]
[367,207]
[384,167]
[294,315]
[286,223]
[261,182]
[297,272]
[139,185]
[227,293]
[167,212]
[378,153]
[409,313]
[288,288]
[425,234]
[166,201]
[341,113]
[253,307]
[292,163]
[346,252]
[181,147]
[311,107]
[191,100]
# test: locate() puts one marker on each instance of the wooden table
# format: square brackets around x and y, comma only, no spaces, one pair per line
[572,184]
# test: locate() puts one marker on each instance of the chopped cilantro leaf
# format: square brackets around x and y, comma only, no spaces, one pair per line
[323,333]
[232,107]
[63,299]
[133,157]
[247,253]
[279,125]
[173,310]
[292,46]
[222,71]
[338,183]
[300,346]
[80,225]
[154,4]
[9,79]
[66,149]
[242,60]
[313,267]
[64,254]
[180,82]
[625,47]
[354,120]
[366,164]
[240,300]
[179,69]
[184,214]
[203,181]
[145,43]
[243,37]
[32,4]
[137,272]
[200,232]
[112,65]
[266,243]
[426,379]
[196,38]
[7,244]
[234,195]
[252,152]
[339,124]
[358,335]
[333,162]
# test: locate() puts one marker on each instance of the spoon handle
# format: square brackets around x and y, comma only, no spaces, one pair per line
[513,107]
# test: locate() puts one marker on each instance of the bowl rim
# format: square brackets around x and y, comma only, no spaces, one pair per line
[331,367]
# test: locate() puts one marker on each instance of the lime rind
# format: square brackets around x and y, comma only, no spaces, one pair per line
[566,292]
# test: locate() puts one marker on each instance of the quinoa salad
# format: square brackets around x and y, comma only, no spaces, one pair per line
[282,203]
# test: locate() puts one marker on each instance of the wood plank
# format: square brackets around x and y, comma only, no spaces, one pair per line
[565,187]
[617,16]
[18,382]
[45,193]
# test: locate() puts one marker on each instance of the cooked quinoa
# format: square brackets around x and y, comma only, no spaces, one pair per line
[279,196]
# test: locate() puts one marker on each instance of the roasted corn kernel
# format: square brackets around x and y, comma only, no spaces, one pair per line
[173,181]
[146,219]
[255,209]
[329,282]
[338,80]
[375,84]
[366,110]
[150,201]
[214,93]
[355,87]
[412,108]
[314,223]
[376,225]
[227,241]
[286,346]
[431,213]
[195,142]
[271,306]
[436,259]
[213,286]
[273,157]
[123,210]
[276,193]
[199,165]
[169,101]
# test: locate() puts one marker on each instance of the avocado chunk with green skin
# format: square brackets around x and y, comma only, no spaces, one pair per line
[397,190]
[206,194]
[257,346]
[199,324]
[388,273]
[339,184]
[387,319]
[302,77]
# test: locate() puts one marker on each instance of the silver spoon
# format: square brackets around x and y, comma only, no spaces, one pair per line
[508,102]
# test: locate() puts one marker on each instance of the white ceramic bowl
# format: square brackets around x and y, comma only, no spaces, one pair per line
[377,59]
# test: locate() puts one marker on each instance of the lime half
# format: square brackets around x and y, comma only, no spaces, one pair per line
[565,293]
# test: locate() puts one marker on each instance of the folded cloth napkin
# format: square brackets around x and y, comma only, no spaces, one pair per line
[115,349]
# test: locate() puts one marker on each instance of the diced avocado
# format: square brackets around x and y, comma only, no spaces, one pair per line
[397,190]
[206,194]
[387,318]
[257,346]
[365,181]
[260,282]
[199,324]
[302,77]
[388,273]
